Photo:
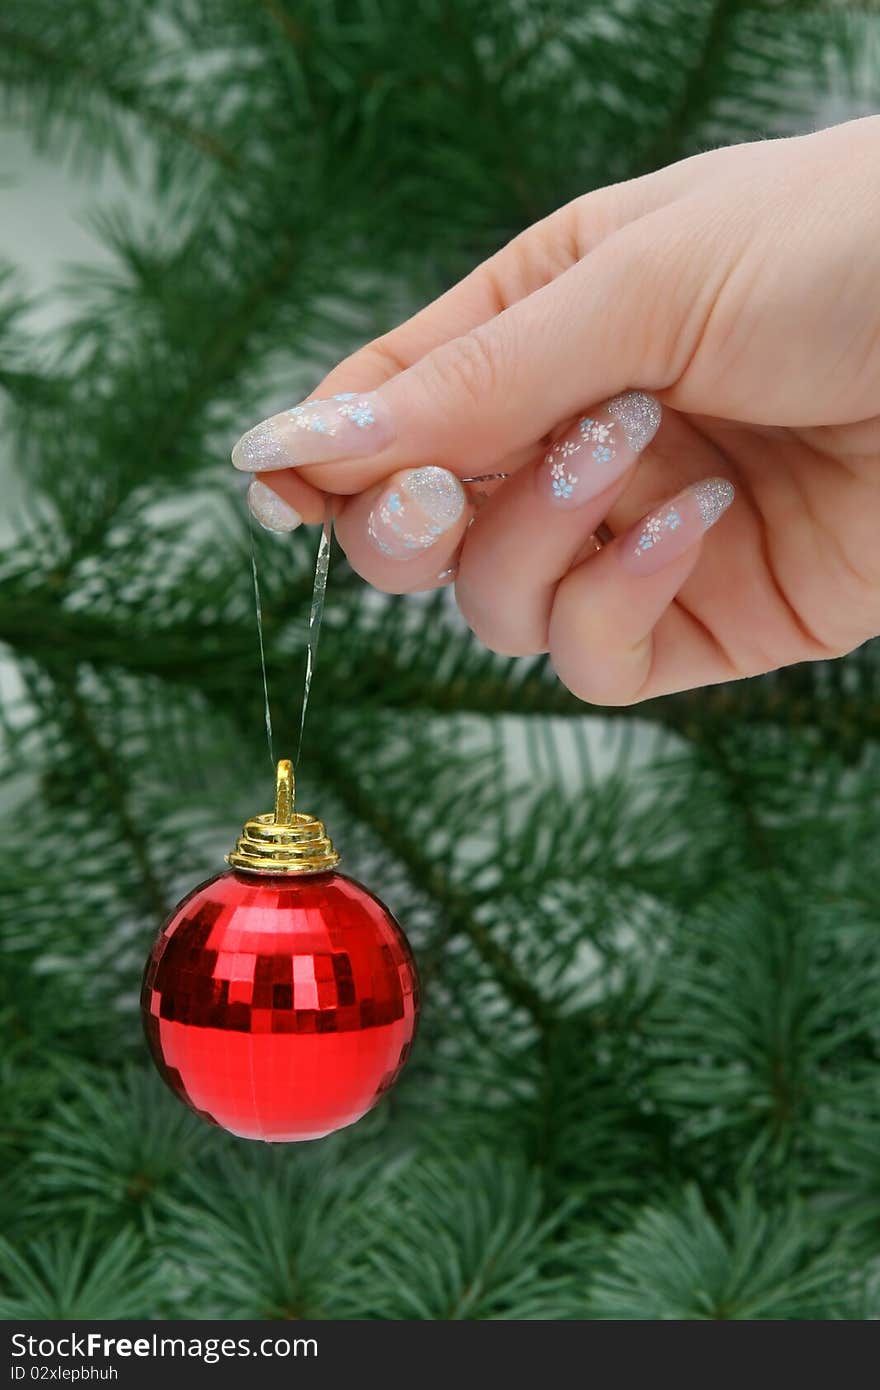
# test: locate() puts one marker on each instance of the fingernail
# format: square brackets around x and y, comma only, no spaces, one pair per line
[341,427]
[666,533]
[270,510]
[414,510]
[599,448]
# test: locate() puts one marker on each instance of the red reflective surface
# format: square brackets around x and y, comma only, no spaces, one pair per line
[280,1008]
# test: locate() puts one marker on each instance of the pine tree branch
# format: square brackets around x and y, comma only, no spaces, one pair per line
[228,345]
[740,795]
[845,720]
[289,27]
[36,624]
[216,367]
[675,140]
[455,905]
[114,782]
[127,98]
[520,58]
[707,921]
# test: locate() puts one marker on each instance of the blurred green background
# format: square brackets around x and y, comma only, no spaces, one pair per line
[646,1084]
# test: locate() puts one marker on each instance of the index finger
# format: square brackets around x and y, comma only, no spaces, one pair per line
[344,419]
[338,403]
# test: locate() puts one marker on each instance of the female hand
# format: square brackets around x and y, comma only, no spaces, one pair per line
[739,289]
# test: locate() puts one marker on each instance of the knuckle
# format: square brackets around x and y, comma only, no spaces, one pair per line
[595,688]
[500,636]
[382,357]
[617,698]
[469,367]
[574,669]
[593,667]
[592,218]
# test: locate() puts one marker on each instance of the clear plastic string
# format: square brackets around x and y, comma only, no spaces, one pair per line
[316,614]
[259,612]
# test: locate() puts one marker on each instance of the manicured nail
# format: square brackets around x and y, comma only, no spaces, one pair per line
[599,448]
[270,510]
[666,533]
[414,510]
[341,427]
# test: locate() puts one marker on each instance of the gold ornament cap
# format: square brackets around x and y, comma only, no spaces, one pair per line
[283,841]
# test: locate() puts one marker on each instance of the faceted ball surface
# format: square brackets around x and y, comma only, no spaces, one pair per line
[280,1007]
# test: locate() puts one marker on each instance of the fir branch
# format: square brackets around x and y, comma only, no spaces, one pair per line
[78,1275]
[674,139]
[291,1248]
[618,1008]
[228,344]
[112,779]
[126,97]
[456,906]
[118,1143]
[677,1262]
[194,393]
[37,622]
[292,30]
[469,1238]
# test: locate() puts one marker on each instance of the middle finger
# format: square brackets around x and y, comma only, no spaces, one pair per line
[529,534]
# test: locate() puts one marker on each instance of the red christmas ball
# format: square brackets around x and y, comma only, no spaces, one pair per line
[280,1007]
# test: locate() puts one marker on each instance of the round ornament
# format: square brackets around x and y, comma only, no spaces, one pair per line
[280,998]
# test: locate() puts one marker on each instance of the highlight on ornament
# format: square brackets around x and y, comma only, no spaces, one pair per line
[280,998]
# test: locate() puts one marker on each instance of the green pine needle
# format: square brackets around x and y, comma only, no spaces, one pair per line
[645,1081]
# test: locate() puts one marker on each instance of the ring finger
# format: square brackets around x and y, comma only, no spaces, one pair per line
[530,533]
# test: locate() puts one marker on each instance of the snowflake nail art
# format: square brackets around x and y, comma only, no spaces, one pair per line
[601,434]
[318,415]
[562,482]
[348,425]
[411,516]
[312,418]
[322,416]
[656,526]
[360,413]
[598,448]
[672,528]
[592,435]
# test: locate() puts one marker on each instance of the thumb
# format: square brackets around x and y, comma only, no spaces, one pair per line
[628,314]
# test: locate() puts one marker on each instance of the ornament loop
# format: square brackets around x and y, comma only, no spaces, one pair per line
[284,841]
[285,792]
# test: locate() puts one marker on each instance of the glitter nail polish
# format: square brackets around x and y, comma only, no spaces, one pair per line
[260,449]
[713,498]
[638,415]
[270,510]
[414,510]
[348,425]
[673,528]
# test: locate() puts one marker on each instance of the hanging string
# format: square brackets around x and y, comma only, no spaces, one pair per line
[259,611]
[316,614]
